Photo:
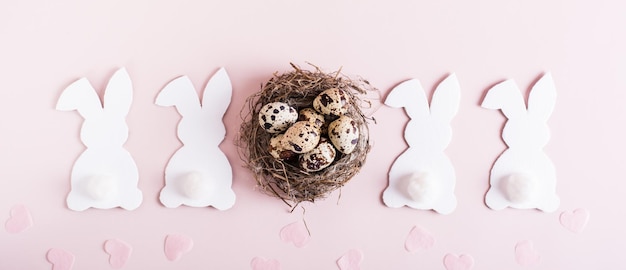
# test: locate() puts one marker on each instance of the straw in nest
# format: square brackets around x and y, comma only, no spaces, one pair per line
[286,180]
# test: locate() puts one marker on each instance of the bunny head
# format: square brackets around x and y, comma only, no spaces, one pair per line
[104,126]
[429,125]
[525,127]
[199,125]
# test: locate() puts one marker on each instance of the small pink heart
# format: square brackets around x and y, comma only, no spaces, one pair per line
[295,233]
[525,253]
[119,252]
[351,260]
[575,221]
[60,259]
[418,239]
[176,245]
[20,219]
[462,262]
[260,263]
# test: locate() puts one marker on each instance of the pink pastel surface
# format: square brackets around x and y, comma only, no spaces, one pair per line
[576,220]
[351,260]
[295,233]
[46,45]
[19,220]
[176,245]
[60,259]
[260,263]
[119,252]
[525,253]
[418,239]
[460,262]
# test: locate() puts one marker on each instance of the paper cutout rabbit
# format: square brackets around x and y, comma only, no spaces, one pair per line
[523,176]
[423,177]
[105,175]
[199,173]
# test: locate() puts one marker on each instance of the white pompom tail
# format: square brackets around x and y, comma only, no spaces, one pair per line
[194,186]
[423,188]
[101,187]
[520,188]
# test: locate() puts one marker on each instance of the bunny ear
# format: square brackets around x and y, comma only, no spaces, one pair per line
[81,96]
[542,97]
[445,102]
[507,97]
[410,95]
[180,93]
[119,93]
[217,93]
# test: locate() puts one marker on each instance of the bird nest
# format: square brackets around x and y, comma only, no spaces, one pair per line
[285,179]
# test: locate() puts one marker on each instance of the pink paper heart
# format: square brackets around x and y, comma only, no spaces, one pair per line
[575,221]
[119,252]
[351,260]
[418,239]
[20,219]
[260,263]
[462,262]
[60,259]
[525,253]
[295,233]
[176,245]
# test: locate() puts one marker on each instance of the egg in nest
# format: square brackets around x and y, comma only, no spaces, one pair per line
[276,117]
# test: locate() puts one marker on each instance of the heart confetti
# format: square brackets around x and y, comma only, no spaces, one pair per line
[351,260]
[20,219]
[575,221]
[418,240]
[119,252]
[295,233]
[525,253]
[260,263]
[60,259]
[176,245]
[462,262]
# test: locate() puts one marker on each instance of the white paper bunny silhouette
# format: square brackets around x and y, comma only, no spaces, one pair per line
[199,173]
[523,176]
[423,177]
[105,175]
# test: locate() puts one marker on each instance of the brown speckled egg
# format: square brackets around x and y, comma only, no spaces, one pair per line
[310,115]
[276,117]
[319,158]
[301,137]
[333,102]
[344,134]
[276,148]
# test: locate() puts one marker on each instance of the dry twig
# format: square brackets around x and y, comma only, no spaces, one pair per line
[286,180]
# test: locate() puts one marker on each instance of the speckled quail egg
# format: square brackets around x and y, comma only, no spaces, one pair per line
[333,102]
[301,137]
[276,117]
[276,148]
[310,115]
[344,134]
[319,158]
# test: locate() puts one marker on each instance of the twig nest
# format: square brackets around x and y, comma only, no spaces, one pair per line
[305,156]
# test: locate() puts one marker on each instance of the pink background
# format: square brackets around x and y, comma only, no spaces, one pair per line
[45,45]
